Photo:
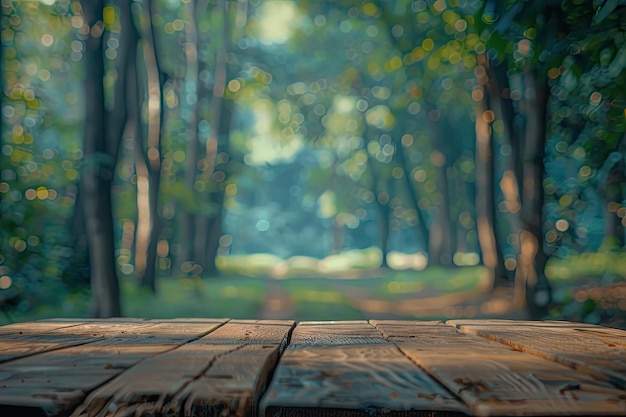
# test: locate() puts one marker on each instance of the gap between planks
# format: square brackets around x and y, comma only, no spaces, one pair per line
[528,380]
[54,382]
[351,370]
[223,372]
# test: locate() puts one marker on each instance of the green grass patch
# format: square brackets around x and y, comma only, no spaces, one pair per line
[434,280]
[230,296]
[73,305]
[224,296]
[309,310]
[587,265]
[318,299]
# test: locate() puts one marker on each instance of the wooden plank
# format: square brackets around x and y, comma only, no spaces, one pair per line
[331,322]
[53,383]
[609,334]
[38,337]
[98,320]
[335,333]
[596,350]
[495,380]
[30,342]
[221,373]
[36,327]
[350,370]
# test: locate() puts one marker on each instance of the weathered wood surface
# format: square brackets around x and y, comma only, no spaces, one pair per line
[494,379]
[51,337]
[269,368]
[218,373]
[340,369]
[592,349]
[55,382]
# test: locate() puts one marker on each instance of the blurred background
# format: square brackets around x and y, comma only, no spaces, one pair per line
[338,159]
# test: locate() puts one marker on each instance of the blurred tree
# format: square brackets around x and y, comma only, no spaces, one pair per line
[401,111]
[441,243]
[490,243]
[208,227]
[532,287]
[146,91]
[39,158]
[431,53]
[541,42]
[103,127]
[194,13]
[614,192]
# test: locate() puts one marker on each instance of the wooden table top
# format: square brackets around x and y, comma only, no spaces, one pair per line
[279,368]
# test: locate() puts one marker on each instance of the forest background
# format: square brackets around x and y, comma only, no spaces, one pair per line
[313,159]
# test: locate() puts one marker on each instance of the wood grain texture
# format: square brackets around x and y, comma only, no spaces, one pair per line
[36,327]
[350,369]
[206,367]
[218,374]
[37,339]
[53,383]
[334,334]
[596,350]
[494,379]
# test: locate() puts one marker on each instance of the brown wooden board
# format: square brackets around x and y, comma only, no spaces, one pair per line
[36,327]
[221,373]
[101,320]
[53,383]
[317,334]
[593,349]
[350,370]
[494,379]
[30,342]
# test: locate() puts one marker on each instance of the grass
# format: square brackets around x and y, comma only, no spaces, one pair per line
[596,264]
[319,299]
[238,296]
[230,296]
[341,296]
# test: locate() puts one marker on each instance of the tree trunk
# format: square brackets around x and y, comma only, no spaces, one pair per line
[440,245]
[148,155]
[188,218]
[209,225]
[485,167]
[498,100]
[399,153]
[219,178]
[339,232]
[499,90]
[212,240]
[78,269]
[460,188]
[531,285]
[381,199]
[382,204]
[613,192]
[484,198]
[98,169]
[381,190]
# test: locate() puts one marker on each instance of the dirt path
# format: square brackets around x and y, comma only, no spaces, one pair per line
[277,304]
[428,303]
[460,305]
[425,305]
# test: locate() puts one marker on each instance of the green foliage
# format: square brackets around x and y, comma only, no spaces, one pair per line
[40,159]
[367,101]
[189,200]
